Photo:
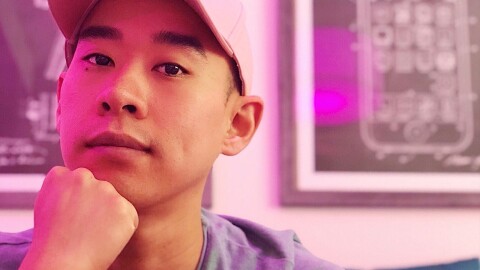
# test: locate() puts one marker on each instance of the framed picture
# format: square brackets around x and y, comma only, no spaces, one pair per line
[32,57]
[31,49]
[379,103]
[19,191]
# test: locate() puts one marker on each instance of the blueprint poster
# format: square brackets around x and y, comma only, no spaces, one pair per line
[31,57]
[396,85]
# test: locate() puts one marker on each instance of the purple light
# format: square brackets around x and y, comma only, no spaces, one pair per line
[336,93]
[328,102]
[335,103]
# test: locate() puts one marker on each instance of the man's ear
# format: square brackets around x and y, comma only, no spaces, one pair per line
[59,91]
[246,118]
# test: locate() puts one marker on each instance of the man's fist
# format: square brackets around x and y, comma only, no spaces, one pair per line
[79,222]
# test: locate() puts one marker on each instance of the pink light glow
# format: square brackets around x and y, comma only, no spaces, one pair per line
[336,93]
[329,101]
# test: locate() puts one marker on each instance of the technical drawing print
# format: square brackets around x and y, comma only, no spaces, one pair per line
[416,95]
[31,49]
[412,103]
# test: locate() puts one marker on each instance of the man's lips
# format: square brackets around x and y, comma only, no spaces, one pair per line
[110,139]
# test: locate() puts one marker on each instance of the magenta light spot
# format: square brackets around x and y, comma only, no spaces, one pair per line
[328,102]
[335,103]
[335,77]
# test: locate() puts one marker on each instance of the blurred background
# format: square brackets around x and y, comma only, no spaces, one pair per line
[249,184]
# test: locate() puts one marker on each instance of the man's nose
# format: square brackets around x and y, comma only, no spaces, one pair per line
[126,95]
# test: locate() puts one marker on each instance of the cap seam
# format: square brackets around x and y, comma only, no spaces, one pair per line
[236,24]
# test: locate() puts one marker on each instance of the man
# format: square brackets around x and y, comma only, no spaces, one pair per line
[155,90]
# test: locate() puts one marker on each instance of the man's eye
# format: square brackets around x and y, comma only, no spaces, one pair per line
[171,69]
[99,59]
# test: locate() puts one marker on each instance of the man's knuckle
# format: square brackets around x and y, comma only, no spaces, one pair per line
[82,172]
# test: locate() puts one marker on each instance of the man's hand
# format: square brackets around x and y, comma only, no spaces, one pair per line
[80,222]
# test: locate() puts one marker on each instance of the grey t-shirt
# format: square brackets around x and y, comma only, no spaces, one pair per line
[230,244]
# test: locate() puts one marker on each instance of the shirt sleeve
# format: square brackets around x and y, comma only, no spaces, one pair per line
[304,260]
[13,248]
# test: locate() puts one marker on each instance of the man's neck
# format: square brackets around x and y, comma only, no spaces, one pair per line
[166,240]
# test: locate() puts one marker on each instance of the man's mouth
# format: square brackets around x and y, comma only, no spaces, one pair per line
[110,139]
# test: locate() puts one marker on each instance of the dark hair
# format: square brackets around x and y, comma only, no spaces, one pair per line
[236,82]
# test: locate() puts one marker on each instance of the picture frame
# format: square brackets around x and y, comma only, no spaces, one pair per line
[19,191]
[31,49]
[326,155]
[17,200]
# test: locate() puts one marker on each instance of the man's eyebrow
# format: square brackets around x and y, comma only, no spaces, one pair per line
[177,39]
[98,31]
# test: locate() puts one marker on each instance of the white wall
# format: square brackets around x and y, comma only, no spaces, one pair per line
[246,186]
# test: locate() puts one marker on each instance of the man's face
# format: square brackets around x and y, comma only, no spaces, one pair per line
[144,102]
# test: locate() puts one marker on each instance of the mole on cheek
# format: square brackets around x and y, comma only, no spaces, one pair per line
[86,69]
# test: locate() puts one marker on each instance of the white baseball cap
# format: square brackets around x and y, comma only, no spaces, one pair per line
[225,18]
